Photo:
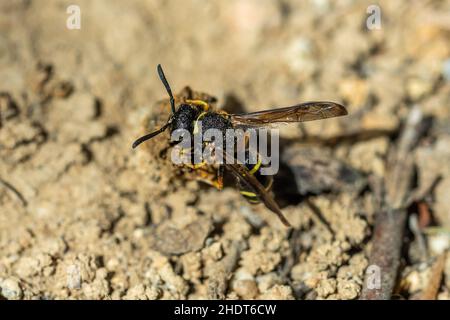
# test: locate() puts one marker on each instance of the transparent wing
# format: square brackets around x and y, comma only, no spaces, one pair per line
[307,111]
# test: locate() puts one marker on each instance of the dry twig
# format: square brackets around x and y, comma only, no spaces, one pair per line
[14,191]
[220,273]
[391,219]
[431,290]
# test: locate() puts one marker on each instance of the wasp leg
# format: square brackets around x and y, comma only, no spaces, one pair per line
[219,182]
[197,165]
[269,185]
[212,178]
[206,176]
[199,103]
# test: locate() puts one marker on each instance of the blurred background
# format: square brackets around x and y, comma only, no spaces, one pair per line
[84,216]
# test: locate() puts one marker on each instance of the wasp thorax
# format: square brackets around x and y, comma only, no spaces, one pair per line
[215,121]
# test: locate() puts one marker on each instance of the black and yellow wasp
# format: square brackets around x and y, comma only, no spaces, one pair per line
[253,186]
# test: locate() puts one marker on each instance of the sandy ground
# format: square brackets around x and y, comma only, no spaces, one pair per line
[82,215]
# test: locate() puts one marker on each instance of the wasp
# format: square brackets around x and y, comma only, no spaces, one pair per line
[254,186]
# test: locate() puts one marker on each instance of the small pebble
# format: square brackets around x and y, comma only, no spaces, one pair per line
[10,289]
[62,89]
[246,289]
[446,70]
[439,243]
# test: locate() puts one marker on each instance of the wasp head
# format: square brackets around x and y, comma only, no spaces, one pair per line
[184,118]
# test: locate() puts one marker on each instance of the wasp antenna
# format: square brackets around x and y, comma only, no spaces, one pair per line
[150,135]
[166,84]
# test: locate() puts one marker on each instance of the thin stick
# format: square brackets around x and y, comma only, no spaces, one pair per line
[16,192]
[391,219]
[219,274]
[431,290]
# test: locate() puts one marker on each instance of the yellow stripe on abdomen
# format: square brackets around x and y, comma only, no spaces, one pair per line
[249,194]
[256,167]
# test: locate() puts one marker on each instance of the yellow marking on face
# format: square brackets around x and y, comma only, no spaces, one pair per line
[199,103]
[200,117]
[256,167]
